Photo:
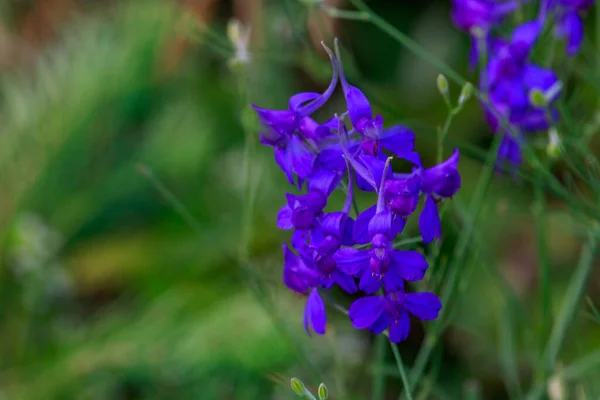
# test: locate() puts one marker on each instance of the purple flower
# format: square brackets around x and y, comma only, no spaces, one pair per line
[438,182]
[480,14]
[569,24]
[378,313]
[291,133]
[301,279]
[301,211]
[334,230]
[382,264]
[397,139]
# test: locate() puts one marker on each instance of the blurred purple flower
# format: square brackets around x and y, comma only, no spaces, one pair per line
[378,313]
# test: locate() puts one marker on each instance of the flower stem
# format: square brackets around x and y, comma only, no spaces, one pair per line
[574,293]
[402,371]
[345,14]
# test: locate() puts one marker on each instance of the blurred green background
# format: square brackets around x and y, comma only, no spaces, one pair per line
[122,198]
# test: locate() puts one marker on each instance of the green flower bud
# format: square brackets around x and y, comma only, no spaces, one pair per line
[465,94]
[323,392]
[537,98]
[442,84]
[553,148]
[298,386]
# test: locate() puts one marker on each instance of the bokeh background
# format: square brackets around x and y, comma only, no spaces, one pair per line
[122,155]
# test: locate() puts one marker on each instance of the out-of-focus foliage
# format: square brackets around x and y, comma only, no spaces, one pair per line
[121,155]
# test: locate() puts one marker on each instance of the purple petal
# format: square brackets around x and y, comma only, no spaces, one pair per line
[382,222]
[282,121]
[523,38]
[369,283]
[375,166]
[331,157]
[333,223]
[399,329]
[348,232]
[361,226]
[325,181]
[381,324]
[365,311]
[283,159]
[392,280]
[429,221]
[570,26]
[315,104]
[314,313]
[351,261]
[410,264]
[284,218]
[443,179]
[358,105]
[344,281]
[425,305]
[363,184]
[297,100]
[398,139]
[296,275]
[302,158]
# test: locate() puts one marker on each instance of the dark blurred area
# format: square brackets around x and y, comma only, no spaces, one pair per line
[121,157]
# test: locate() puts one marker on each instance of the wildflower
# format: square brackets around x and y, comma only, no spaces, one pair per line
[480,14]
[438,182]
[382,264]
[300,278]
[288,131]
[391,311]
[569,24]
[335,230]
[301,211]
[397,139]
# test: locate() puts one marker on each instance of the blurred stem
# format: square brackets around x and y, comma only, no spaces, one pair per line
[574,294]
[459,256]
[539,212]
[345,14]
[379,379]
[177,205]
[400,364]
[567,311]
[249,189]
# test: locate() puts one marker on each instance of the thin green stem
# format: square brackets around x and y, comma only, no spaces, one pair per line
[567,311]
[402,371]
[574,294]
[173,201]
[539,212]
[379,378]
[345,14]
[459,256]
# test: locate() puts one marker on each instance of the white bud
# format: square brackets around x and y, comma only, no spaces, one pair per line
[554,145]
[556,388]
[239,36]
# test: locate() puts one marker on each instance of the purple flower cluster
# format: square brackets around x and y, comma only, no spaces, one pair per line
[509,77]
[332,248]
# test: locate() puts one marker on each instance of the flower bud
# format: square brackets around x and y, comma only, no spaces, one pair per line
[537,98]
[239,36]
[323,392]
[298,386]
[555,388]
[442,84]
[465,94]
[553,147]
